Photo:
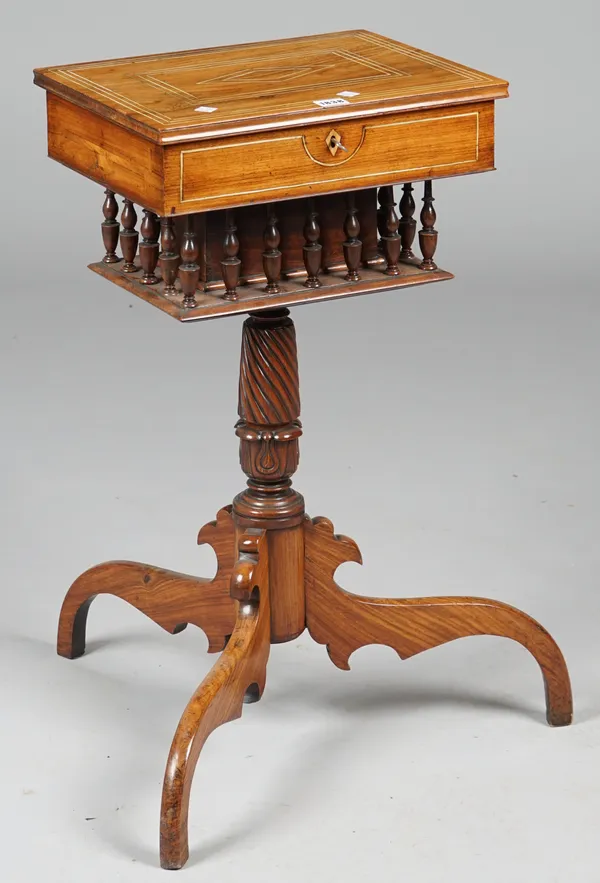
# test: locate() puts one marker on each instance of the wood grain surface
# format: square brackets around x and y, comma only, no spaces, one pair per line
[252,298]
[178,133]
[203,93]
[106,153]
[388,150]
[286,577]
[238,674]
[289,163]
[170,599]
[345,622]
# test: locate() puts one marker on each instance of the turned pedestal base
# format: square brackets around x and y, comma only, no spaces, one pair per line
[275,577]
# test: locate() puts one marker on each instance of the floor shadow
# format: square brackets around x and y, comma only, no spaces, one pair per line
[414,699]
[316,760]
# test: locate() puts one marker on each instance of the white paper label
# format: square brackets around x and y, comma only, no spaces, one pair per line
[204,109]
[348,94]
[331,102]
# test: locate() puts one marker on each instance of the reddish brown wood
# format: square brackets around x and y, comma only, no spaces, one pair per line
[150,228]
[332,214]
[129,236]
[312,249]
[352,244]
[231,263]
[269,426]
[238,675]
[408,225]
[381,219]
[390,239]
[345,622]
[292,216]
[286,574]
[428,235]
[271,254]
[110,228]
[253,298]
[253,100]
[170,599]
[189,269]
[168,257]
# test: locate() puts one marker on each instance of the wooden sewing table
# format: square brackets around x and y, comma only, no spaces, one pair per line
[265,174]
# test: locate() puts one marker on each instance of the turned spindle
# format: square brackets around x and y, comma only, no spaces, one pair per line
[189,269]
[390,239]
[271,255]
[311,250]
[168,257]
[381,228]
[149,229]
[110,228]
[428,235]
[352,246]
[129,236]
[407,225]
[230,265]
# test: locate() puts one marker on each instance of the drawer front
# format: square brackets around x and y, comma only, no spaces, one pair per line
[298,162]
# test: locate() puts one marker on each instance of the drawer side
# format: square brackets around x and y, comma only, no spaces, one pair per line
[105,152]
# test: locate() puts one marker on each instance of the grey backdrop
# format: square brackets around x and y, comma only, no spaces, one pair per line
[453,431]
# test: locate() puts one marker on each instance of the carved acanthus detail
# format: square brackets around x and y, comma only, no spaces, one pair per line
[273,453]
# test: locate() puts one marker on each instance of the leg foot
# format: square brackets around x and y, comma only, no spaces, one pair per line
[345,622]
[170,599]
[237,676]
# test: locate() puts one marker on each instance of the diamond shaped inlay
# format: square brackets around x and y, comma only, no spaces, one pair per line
[333,141]
[272,74]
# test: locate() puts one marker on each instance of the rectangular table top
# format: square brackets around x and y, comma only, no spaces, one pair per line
[208,93]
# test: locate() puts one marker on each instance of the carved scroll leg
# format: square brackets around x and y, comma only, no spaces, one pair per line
[170,599]
[238,675]
[346,622]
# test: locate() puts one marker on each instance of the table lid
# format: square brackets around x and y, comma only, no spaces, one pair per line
[204,93]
